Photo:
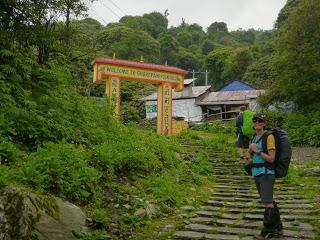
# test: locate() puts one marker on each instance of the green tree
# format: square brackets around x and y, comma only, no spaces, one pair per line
[215,62]
[188,35]
[216,27]
[188,60]
[297,65]
[138,22]
[244,36]
[132,108]
[284,13]
[184,38]
[128,43]
[153,23]
[197,34]
[217,30]
[159,23]
[261,73]
[33,23]
[169,48]
[237,64]
[207,46]
[81,50]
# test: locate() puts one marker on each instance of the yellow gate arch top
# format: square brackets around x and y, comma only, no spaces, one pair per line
[112,71]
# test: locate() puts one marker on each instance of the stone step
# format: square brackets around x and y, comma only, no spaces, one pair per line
[245,231]
[286,217]
[232,177]
[233,191]
[242,199]
[252,187]
[230,204]
[225,163]
[296,206]
[282,238]
[246,178]
[237,187]
[253,195]
[232,199]
[251,204]
[249,191]
[227,168]
[215,229]
[259,210]
[201,235]
[235,182]
[250,223]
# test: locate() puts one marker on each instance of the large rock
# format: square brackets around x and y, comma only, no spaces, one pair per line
[25,215]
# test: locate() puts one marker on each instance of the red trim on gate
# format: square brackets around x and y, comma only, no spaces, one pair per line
[149,66]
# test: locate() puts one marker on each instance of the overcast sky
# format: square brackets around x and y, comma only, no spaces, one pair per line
[258,14]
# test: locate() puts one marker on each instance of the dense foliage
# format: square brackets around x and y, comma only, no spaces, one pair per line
[303,128]
[297,65]
[56,139]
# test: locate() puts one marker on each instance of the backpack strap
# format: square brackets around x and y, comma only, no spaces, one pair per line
[270,131]
[264,138]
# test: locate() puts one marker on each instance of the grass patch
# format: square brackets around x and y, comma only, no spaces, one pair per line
[300,175]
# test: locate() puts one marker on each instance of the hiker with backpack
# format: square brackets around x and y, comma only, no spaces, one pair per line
[242,141]
[244,130]
[271,153]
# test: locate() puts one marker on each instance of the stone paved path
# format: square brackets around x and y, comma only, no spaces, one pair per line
[234,211]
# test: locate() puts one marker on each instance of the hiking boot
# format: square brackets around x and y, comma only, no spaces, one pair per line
[265,235]
[272,225]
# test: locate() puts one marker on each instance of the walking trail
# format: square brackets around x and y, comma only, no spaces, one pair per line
[234,211]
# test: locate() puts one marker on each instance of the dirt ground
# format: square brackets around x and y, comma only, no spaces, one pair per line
[306,153]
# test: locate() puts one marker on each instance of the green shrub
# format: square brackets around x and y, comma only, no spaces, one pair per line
[8,153]
[61,169]
[275,118]
[217,127]
[6,176]
[304,128]
[201,164]
[130,150]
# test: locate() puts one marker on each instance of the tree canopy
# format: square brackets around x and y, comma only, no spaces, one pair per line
[297,63]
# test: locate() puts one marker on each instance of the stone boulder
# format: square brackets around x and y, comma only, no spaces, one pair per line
[25,215]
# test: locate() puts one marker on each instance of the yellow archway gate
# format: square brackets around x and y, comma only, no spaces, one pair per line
[112,71]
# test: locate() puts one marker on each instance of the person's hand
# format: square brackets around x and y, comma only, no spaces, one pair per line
[254,148]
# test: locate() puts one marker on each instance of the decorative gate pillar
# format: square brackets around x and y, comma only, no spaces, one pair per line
[164,116]
[113,93]
[113,71]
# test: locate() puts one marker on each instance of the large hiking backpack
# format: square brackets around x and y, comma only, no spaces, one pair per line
[247,127]
[283,151]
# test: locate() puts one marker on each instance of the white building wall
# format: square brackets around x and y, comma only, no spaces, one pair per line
[185,108]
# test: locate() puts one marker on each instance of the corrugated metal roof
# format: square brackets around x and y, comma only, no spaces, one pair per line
[189,81]
[236,86]
[196,92]
[229,97]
